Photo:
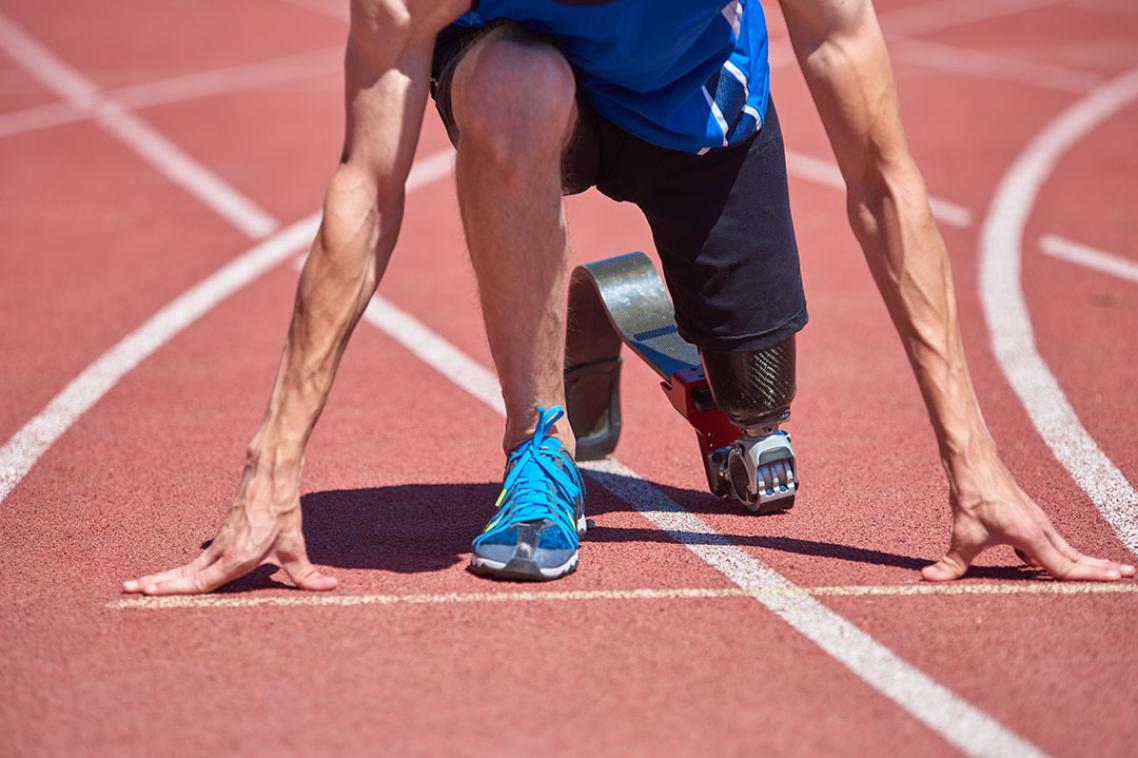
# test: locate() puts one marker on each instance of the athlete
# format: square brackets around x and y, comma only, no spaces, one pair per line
[665,104]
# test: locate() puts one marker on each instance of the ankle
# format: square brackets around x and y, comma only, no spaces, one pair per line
[561,431]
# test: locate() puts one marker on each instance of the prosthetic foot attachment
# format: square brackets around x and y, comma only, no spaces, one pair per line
[622,301]
[761,472]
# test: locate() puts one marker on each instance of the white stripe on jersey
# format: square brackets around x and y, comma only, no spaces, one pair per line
[755,115]
[718,114]
[733,12]
[738,74]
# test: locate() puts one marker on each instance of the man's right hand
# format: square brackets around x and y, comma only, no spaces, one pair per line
[263,526]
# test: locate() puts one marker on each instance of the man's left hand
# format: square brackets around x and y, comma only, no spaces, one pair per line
[990,508]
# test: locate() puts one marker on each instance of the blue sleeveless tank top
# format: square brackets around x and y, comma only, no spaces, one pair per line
[688,75]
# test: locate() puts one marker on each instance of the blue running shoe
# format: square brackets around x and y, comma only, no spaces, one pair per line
[536,530]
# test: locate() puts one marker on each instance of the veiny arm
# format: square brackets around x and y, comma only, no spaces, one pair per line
[387,69]
[842,54]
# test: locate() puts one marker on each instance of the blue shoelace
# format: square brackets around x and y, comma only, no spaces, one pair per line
[541,483]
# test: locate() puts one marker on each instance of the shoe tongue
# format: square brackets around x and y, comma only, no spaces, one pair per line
[547,445]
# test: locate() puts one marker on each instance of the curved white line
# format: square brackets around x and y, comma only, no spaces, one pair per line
[953,718]
[24,449]
[923,18]
[1009,322]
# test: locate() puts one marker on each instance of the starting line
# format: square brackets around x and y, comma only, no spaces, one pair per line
[678,593]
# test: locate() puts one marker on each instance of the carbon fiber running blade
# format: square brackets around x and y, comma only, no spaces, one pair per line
[611,301]
[638,309]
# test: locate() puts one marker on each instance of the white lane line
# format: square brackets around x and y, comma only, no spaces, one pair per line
[1121,7]
[1085,255]
[175,89]
[425,344]
[780,53]
[827,174]
[20,453]
[337,9]
[670,593]
[980,63]
[960,723]
[945,14]
[26,446]
[967,61]
[162,154]
[1009,322]
[430,169]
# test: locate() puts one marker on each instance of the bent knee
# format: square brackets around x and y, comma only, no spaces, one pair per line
[515,98]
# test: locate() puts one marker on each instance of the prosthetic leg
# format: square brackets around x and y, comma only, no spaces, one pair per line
[736,415]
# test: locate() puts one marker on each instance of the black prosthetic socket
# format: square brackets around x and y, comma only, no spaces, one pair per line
[753,387]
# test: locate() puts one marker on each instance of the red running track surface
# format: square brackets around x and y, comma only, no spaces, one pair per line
[405,462]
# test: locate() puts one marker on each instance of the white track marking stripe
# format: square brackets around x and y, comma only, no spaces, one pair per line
[958,722]
[1084,255]
[426,345]
[1009,322]
[24,449]
[186,172]
[1122,7]
[673,593]
[337,9]
[179,88]
[827,174]
[956,60]
[935,16]
[780,54]
[20,453]
[963,725]
[169,159]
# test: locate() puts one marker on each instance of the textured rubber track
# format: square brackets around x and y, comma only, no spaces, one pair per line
[96,241]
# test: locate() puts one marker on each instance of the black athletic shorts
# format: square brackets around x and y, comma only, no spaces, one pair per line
[721,221]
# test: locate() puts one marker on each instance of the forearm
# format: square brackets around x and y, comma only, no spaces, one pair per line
[846,64]
[889,213]
[843,57]
[340,275]
[387,66]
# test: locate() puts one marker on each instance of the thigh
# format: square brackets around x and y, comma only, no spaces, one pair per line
[721,223]
[579,160]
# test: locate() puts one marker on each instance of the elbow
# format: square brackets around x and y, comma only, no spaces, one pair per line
[373,20]
[359,209]
[868,200]
[886,195]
